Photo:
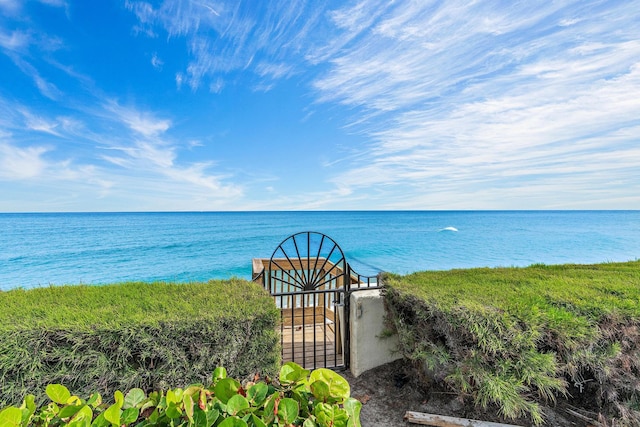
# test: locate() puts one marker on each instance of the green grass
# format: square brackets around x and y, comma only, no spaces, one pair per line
[520,337]
[124,304]
[130,335]
[585,290]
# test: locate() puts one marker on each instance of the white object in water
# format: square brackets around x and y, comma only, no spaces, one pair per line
[449,229]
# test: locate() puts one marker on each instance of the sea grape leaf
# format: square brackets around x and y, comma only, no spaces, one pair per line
[257,422]
[28,408]
[84,413]
[309,423]
[236,404]
[288,410]
[192,390]
[291,372]
[353,407]
[233,422]
[338,386]
[187,400]
[100,421]
[320,390]
[330,415]
[119,398]
[171,397]
[219,373]
[257,393]
[112,414]
[134,397]
[199,418]
[58,393]
[70,411]
[95,400]
[129,415]
[173,411]
[212,417]
[225,388]
[10,417]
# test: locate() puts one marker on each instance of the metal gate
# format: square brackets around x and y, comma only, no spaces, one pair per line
[311,281]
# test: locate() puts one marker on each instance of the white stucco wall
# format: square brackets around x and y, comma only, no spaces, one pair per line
[370,347]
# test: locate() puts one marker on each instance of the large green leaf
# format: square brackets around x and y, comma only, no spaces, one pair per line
[309,423]
[288,410]
[256,421]
[85,413]
[270,407]
[353,407]
[330,415]
[80,422]
[173,411]
[187,400]
[28,408]
[199,418]
[129,415]
[119,398]
[112,414]
[212,416]
[320,390]
[257,393]
[134,397]
[10,417]
[237,404]
[95,400]
[338,387]
[58,393]
[233,422]
[70,411]
[291,373]
[226,388]
[100,421]
[219,373]
[172,397]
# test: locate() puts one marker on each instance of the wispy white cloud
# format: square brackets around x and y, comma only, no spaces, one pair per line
[14,41]
[469,105]
[10,6]
[143,123]
[18,163]
[226,36]
[17,45]
[134,164]
[149,153]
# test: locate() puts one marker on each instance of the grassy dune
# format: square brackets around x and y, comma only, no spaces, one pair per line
[518,338]
[121,336]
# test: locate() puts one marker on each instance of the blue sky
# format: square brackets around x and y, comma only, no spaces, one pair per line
[314,105]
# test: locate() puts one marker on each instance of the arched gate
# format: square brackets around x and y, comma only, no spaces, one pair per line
[311,281]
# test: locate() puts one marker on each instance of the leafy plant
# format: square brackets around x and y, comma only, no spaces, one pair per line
[300,398]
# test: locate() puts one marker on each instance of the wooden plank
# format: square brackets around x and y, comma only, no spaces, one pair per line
[293,349]
[444,421]
[312,264]
[257,267]
[307,316]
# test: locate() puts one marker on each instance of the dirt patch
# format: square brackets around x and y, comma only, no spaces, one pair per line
[389,391]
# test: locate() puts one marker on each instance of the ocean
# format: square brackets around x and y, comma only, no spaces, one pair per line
[42,249]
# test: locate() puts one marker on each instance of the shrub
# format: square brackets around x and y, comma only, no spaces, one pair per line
[318,398]
[133,335]
[519,337]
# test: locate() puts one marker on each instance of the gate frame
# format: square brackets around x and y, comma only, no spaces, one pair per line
[308,284]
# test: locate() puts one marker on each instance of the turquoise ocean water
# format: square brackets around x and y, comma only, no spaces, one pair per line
[95,248]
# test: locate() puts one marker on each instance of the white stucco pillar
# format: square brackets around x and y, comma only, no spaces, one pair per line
[371,346]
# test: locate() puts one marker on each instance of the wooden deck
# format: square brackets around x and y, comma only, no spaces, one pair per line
[311,346]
